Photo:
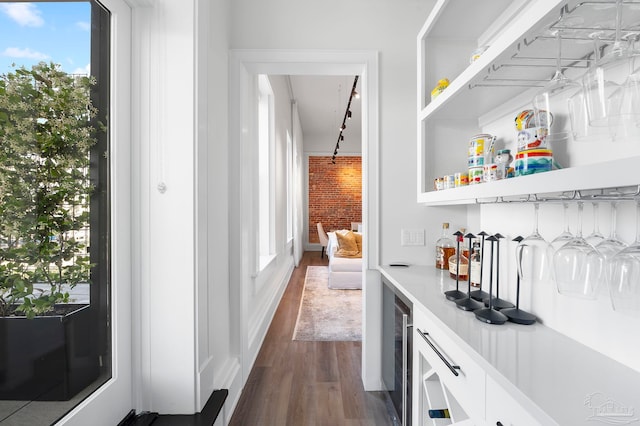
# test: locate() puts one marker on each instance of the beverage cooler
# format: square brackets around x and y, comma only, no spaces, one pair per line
[397,349]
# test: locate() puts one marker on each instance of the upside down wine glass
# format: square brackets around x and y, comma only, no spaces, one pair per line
[552,99]
[579,268]
[566,234]
[612,245]
[595,237]
[624,285]
[624,102]
[534,265]
[602,79]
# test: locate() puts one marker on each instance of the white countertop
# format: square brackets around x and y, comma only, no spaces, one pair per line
[548,373]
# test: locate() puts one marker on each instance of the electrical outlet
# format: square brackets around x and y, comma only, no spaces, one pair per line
[412,237]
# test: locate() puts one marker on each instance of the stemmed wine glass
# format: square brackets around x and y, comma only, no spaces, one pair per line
[579,268]
[624,102]
[624,285]
[553,98]
[534,266]
[595,237]
[565,236]
[598,81]
[581,125]
[611,245]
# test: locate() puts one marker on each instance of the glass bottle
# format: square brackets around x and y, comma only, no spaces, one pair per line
[445,248]
[463,272]
[475,264]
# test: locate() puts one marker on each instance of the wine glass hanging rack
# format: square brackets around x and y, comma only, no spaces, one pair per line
[530,65]
[630,193]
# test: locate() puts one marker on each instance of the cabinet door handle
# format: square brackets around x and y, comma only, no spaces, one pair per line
[453,368]
[405,367]
[498,423]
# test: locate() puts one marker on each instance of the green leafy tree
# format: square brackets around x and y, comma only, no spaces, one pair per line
[45,139]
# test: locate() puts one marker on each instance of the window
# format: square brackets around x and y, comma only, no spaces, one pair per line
[54,202]
[289,187]
[265,171]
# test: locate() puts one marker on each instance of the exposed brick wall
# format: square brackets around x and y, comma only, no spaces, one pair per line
[335,193]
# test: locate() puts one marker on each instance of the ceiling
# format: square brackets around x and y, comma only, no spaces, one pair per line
[322,102]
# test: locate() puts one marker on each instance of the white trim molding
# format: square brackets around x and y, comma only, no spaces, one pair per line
[243,64]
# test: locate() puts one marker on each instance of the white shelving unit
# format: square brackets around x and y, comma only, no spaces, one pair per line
[502,382]
[486,95]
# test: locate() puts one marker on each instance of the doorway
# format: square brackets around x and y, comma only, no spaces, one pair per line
[245,65]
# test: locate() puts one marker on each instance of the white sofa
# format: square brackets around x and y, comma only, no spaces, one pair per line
[344,272]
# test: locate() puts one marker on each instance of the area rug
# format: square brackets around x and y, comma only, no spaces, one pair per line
[326,314]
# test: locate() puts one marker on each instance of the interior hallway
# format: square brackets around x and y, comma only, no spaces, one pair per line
[306,383]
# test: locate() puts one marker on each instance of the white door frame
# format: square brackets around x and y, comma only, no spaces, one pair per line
[244,64]
[110,403]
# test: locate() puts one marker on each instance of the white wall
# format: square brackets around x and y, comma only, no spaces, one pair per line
[183,346]
[357,24]
[323,146]
[218,360]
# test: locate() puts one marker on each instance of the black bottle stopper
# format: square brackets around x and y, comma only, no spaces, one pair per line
[516,314]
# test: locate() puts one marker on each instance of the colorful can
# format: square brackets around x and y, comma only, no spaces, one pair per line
[533,161]
[440,86]
[490,172]
[438,183]
[481,150]
[503,159]
[532,138]
[449,181]
[475,175]
[461,179]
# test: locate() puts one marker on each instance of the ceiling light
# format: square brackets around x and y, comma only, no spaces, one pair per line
[347,115]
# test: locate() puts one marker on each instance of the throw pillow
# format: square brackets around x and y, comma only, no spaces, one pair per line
[359,241]
[347,245]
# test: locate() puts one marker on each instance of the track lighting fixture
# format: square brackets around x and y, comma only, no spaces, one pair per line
[347,115]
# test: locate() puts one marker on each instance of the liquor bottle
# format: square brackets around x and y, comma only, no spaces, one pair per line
[439,414]
[475,265]
[463,271]
[444,248]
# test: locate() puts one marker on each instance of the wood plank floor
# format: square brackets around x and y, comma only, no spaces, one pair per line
[300,383]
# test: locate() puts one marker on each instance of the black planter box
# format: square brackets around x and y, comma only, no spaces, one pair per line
[48,358]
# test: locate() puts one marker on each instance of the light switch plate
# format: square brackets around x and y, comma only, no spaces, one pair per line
[412,237]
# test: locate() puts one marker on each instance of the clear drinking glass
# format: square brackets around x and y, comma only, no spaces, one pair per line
[611,245]
[565,236]
[595,237]
[534,266]
[625,100]
[624,284]
[600,80]
[581,128]
[578,267]
[550,103]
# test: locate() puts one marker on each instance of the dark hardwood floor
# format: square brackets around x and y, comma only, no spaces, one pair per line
[300,383]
